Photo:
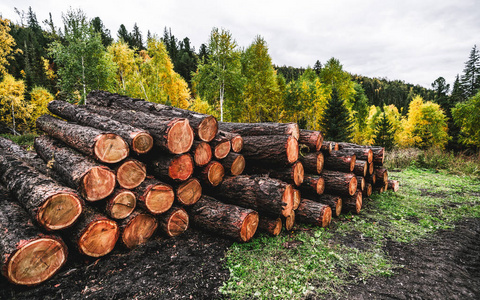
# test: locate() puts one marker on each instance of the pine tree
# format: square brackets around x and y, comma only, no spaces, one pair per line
[336,122]
[384,135]
[317,67]
[471,77]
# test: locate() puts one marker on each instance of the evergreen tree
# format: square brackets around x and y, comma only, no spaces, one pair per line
[99,27]
[123,35]
[317,67]
[384,135]
[471,77]
[336,123]
[137,40]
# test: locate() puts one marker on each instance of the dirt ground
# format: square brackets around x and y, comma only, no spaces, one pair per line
[446,266]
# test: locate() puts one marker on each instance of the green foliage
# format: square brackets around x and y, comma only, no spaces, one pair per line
[7,43]
[182,54]
[99,28]
[384,133]
[467,117]
[336,123]
[22,140]
[470,82]
[333,75]
[14,110]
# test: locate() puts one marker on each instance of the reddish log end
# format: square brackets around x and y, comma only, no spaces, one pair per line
[292,149]
[222,149]
[98,183]
[142,142]
[271,226]
[296,199]
[180,137]
[298,173]
[181,167]
[237,144]
[99,238]
[213,173]
[290,221]
[393,185]
[315,213]
[158,198]
[202,154]
[189,192]
[138,229]
[121,204]
[238,165]
[60,211]
[208,128]
[174,222]
[131,174]
[288,199]
[353,204]
[110,148]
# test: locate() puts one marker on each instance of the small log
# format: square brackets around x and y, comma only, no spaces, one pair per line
[296,199]
[361,168]
[171,168]
[130,173]
[312,139]
[204,126]
[237,143]
[377,152]
[365,154]
[264,194]
[234,163]
[334,145]
[103,146]
[271,226]
[371,169]
[261,129]
[339,183]
[212,174]
[28,257]
[222,143]
[372,179]
[52,205]
[382,176]
[271,149]
[94,234]
[292,174]
[154,196]
[315,213]
[393,185]
[340,161]
[92,180]
[313,162]
[290,221]
[138,139]
[227,220]
[312,185]
[188,192]
[137,228]
[367,192]
[174,222]
[335,202]
[172,135]
[326,148]
[202,153]
[120,204]
[353,203]
[361,183]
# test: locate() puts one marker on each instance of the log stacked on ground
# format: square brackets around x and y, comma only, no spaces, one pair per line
[120,204]
[339,183]
[234,164]
[293,174]
[137,228]
[188,192]
[261,129]
[312,139]
[171,168]
[312,212]
[271,226]
[271,149]
[130,173]
[154,196]
[313,162]
[201,152]
[174,222]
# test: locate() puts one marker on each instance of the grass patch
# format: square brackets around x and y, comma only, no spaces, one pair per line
[315,261]
[22,140]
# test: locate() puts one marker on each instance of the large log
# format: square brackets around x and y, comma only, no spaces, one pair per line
[312,185]
[313,162]
[137,228]
[174,222]
[339,183]
[393,185]
[271,149]
[92,180]
[340,161]
[292,174]
[361,168]
[205,126]
[28,257]
[172,135]
[227,220]
[234,163]
[201,152]
[130,173]
[272,226]
[52,205]
[261,129]
[154,196]
[263,194]
[103,146]
[139,140]
[315,213]
[188,192]
[335,202]
[377,152]
[120,204]
[353,203]
[382,176]
[171,168]
[312,139]
[365,154]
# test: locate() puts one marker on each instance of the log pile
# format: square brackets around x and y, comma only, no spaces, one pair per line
[123,170]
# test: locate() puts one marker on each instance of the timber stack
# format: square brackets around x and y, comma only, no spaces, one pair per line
[123,170]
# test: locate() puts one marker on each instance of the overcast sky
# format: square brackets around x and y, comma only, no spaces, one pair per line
[412,40]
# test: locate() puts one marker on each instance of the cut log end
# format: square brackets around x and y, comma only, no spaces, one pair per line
[320,186]
[202,154]
[181,167]
[36,261]
[139,230]
[393,185]
[208,128]
[352,186]
[290,221]
[320,162]
[296,199]
[159,198]
[222,149]
[238,165]
[237,144]
[122,204]
[189,192]
[298,173]
[110,148]
[98,183]
[99,238]
[180,137]
[327,216]
[215,173]
[131,174]
[142,142]
[288,199]
[338,207]
[292,149]
[278,227]
[177,223]
[370,156]
[352,163]
[249,226]
[59,211]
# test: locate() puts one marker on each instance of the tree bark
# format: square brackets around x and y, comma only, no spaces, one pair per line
[261,193]
[326,148]
[204,126]
[103,146]
[365,154]
[174,222]
[130,173]
[227,220]
[333,145]
[377,152]
[92,180]
[271,149]
[234,163]
[340,161]
[289,221]
[28,257]
[315,213]
[201,152]
[154,196]
[137,228]
[261,129]
[271,226]
[221,146]
[393,185]
[312,139]
[171,168]
[343,184]
[382,176]
[313,185]
[139,140]
[52,205]
[120,204]
[371,169]
[353,203]
[212,174]
[361,183]
[313,162]
[293,174]
[335,202]
[188,192]
[171,135]
[361,168]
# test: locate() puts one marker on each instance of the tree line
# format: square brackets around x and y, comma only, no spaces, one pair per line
[234,83]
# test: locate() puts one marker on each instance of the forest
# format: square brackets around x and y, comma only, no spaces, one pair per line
[41,61]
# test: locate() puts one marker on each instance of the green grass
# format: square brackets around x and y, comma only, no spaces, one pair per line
[320,261]
[23,140]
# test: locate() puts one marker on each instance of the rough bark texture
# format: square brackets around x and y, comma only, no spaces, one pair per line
[344,184]
[28,257]
[393,185]
[201,152]
[188,192]
[139,140]
[205,126]
[120,204]
[130,173]
[171,134]
[291,174]
[382,176]
[353,203]
[154,196]
[174,222]
[326,148]
[313,162]
[261,129]
[52,205]
[372,179]
[224,138]
[312,185]
[312,139]
[212,174]
[334,201]
[360,183]
[234,164]
[315,213]
[289,221]
[361,168]
[223,219]
[171,168]
[340,161]
[332,145]
[378,152]
[261,193]
[103,146]
[137,228]
[365,154]
[92,180]
[271,226]
[271,149]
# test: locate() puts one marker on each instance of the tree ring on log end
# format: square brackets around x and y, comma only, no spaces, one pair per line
[159,198]
[189,192]
[326,216]
[123,205]
[208,128]
[131,174]
[110,148]
[181,167]
[338,207]
[215,173]
[370,156]
[290,221]
[237,144]
[352,187]
[320,188]
[278,227]
[287,198]
[59,211]
[36,261]
[142,142]
[298,173]
[139,230]
[99,238]
[292,149]
[249,226]
[238,165]
[222,149]
[296,199]
[180,137]
[178,223]
[358,202]
[98,183]
[320,162]
[203,154]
